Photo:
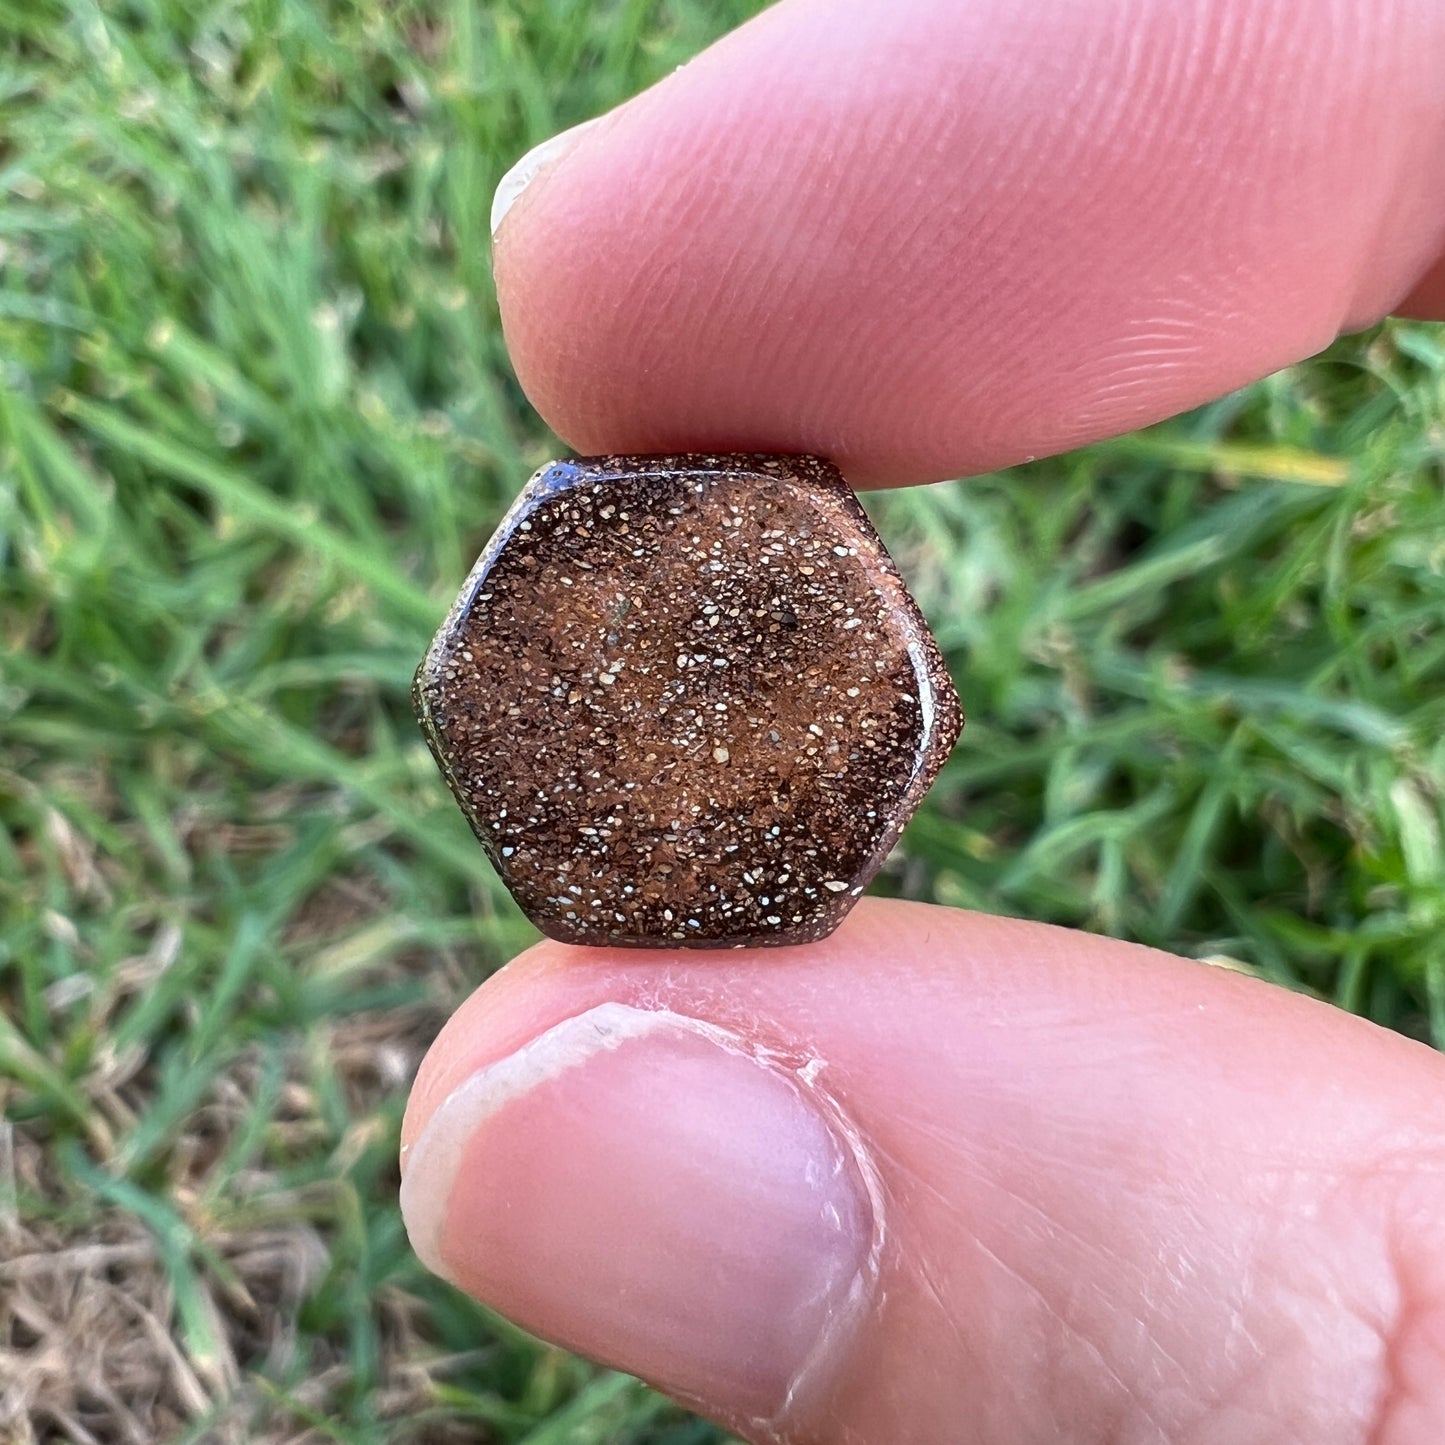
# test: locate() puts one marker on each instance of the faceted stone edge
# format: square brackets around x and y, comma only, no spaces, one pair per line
[558,932]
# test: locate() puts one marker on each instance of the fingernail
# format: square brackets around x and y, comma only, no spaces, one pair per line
[526,170]
[640,1188]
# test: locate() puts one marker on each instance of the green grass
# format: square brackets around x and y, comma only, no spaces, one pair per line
[255,420]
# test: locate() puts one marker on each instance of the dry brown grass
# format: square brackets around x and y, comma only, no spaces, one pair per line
[95,1347]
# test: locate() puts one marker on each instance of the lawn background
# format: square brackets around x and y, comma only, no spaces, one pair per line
[255,421]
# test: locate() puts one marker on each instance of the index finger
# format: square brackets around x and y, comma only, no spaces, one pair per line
[926,239]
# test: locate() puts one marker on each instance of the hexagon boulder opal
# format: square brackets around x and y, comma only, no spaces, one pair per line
[687,701]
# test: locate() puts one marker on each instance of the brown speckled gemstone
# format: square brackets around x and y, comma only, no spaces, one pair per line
[687,701]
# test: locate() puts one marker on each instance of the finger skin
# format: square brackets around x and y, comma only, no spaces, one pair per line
[1125,1197]
[926,238]
[1427,300]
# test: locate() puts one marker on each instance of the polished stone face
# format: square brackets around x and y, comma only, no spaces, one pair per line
[687,701]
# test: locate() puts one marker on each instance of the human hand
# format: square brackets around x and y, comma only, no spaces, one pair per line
[942,1176]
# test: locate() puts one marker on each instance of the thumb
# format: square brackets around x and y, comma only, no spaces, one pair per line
[948,1177]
